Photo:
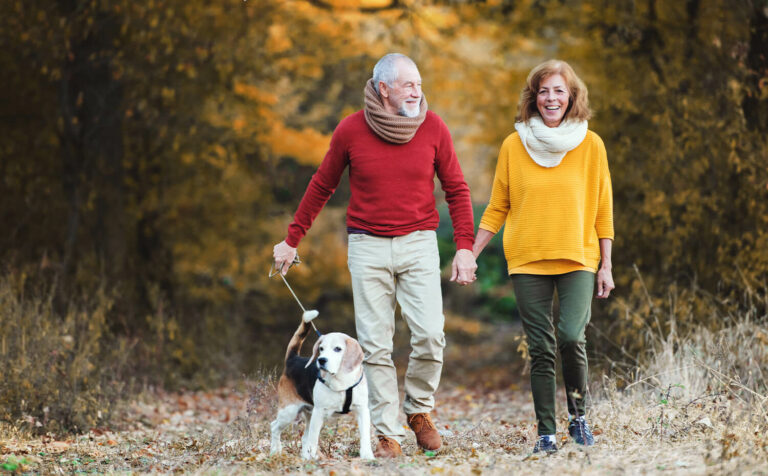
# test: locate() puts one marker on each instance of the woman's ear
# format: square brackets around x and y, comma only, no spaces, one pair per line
[353,355]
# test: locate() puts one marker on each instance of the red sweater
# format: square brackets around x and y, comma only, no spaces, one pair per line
[392,185]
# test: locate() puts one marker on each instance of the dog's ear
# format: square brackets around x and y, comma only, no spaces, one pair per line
[353,355]
[315,350]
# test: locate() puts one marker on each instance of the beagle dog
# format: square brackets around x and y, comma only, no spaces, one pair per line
[331,381]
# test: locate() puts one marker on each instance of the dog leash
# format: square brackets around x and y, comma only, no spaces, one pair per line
[308,316]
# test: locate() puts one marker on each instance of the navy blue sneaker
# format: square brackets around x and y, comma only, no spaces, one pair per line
[579,430]
[546,445]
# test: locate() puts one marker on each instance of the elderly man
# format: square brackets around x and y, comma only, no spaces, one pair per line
[393,148]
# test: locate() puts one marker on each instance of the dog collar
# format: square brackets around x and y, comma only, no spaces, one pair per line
[348,395]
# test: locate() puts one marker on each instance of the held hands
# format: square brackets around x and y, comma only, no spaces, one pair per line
[463,267]
[284,254]
[604,283]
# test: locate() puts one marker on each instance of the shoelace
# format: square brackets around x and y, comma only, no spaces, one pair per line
[583,428]
[543,443]
[386,443]
[424,421]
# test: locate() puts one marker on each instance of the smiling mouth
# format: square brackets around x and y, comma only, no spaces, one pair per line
[552,108]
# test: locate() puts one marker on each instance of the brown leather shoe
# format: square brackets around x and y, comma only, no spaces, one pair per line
[426,434]
[387,448]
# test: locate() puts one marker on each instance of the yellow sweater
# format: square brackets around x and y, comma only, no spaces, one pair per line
[553,217]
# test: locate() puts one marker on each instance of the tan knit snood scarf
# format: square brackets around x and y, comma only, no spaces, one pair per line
[391,127]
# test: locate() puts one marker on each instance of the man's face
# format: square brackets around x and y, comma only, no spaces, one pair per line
[404,96]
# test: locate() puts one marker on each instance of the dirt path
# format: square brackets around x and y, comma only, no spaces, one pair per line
[485,431]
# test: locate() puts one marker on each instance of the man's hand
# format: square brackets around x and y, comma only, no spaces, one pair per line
[463,267]
[604,283]
[284,254]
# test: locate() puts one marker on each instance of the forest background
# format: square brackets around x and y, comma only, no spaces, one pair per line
[152,153]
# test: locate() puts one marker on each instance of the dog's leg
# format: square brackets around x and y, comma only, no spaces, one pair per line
[309,450]
[306,413]
[364,425]
[285,417]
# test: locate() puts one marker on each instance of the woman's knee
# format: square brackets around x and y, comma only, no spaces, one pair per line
[542,355]
[569,344]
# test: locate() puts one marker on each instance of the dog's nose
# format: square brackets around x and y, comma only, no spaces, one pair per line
[322,361]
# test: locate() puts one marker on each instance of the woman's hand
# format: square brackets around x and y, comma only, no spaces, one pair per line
[604,283]
[604,275]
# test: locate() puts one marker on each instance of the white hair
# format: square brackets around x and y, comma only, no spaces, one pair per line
[386,69]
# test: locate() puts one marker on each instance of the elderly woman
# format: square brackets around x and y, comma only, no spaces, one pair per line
[552,192]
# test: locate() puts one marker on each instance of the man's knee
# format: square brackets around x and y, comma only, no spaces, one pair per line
[428,344]
[378,356]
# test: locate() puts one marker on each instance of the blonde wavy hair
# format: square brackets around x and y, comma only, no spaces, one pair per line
[578,103]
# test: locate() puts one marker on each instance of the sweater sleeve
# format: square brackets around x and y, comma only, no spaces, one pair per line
[456,191]
[320,189]
[604,220]
[498,207]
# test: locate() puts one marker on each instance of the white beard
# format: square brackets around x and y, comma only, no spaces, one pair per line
[404,111]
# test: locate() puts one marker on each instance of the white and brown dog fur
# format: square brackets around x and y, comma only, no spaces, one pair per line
[336,359]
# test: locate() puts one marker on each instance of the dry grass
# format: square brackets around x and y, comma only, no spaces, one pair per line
[698,407]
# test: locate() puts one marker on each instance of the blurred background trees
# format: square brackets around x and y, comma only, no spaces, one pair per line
[153,152]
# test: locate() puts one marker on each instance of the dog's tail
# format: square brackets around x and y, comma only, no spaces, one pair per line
[294,346]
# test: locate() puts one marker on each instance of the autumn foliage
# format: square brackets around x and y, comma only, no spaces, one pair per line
[153,152]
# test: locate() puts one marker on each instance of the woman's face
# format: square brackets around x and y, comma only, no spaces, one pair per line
[552,99]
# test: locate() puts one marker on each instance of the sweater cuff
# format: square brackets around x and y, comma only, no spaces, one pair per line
[292,241]
[605,234]
[464,244]
[487,227]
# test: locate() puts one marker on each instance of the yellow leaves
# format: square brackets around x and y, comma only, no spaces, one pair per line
[219,151]
[522,347]
[238,124]
[278,40]
[302,65]
[254,93]
[168,94]
[358,3]
[440,17]
[307,146]
[188,68]
[762,337]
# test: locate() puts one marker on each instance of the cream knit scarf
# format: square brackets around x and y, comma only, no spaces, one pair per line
[391,127]
[548,145]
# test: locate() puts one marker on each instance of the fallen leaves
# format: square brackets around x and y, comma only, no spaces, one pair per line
[483,431]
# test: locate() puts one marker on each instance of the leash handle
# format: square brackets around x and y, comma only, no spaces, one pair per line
[273,271]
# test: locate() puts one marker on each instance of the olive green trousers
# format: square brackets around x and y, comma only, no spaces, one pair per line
[535,296]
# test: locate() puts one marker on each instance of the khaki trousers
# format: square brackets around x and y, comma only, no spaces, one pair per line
[403,270]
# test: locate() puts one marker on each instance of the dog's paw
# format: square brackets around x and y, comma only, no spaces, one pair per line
[309,454]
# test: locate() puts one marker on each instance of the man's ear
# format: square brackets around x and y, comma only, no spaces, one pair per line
[353,356]
[383,89]
[315,350]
